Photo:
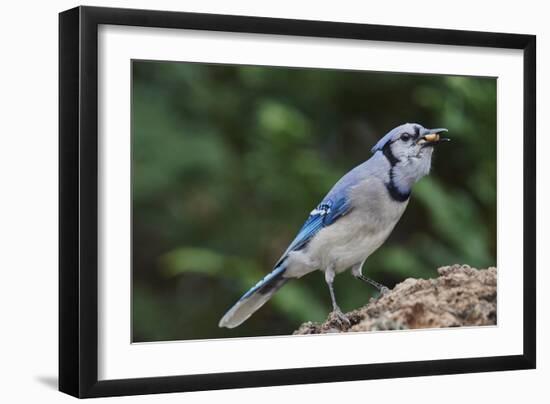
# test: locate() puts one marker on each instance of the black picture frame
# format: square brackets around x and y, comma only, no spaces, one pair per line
[78,200]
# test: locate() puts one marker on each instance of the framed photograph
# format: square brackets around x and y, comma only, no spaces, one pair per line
[251,201]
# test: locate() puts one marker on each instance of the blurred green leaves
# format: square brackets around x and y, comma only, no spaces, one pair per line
[455,220]
[229,160]
[282,125]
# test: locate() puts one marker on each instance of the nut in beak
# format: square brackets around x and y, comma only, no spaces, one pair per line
[432,137]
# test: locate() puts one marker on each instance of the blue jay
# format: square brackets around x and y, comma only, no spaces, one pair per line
[352,221]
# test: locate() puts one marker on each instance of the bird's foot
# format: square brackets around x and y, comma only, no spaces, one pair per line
[382,290]
[338,318]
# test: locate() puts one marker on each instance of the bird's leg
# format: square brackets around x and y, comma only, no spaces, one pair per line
[381,288]
[356,271]
[336,312]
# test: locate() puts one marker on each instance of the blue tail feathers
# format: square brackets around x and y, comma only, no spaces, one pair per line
[255,298]
[265,282]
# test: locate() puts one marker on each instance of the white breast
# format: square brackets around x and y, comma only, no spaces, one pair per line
[352,238]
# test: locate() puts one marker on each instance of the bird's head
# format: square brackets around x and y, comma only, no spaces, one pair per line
[409,150]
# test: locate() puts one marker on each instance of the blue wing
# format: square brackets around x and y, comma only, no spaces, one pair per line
[326,213]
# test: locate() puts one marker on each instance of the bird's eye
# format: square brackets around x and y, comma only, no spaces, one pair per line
[405,137]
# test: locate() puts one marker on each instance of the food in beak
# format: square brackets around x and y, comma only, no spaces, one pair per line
[432,137]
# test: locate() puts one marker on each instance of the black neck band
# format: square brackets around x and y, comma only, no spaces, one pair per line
[395,193]
[389,154]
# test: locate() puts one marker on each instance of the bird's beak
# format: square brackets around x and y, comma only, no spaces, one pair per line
[432,137]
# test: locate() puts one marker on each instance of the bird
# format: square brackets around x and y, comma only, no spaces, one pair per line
[352,221]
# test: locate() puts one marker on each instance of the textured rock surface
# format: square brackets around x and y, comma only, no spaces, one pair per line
[460,296]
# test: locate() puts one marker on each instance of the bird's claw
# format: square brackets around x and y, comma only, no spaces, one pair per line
[339,318]
[384,290]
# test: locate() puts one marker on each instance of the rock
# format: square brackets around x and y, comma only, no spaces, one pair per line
[460,296]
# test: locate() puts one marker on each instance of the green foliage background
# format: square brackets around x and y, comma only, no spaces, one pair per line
[229,160]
